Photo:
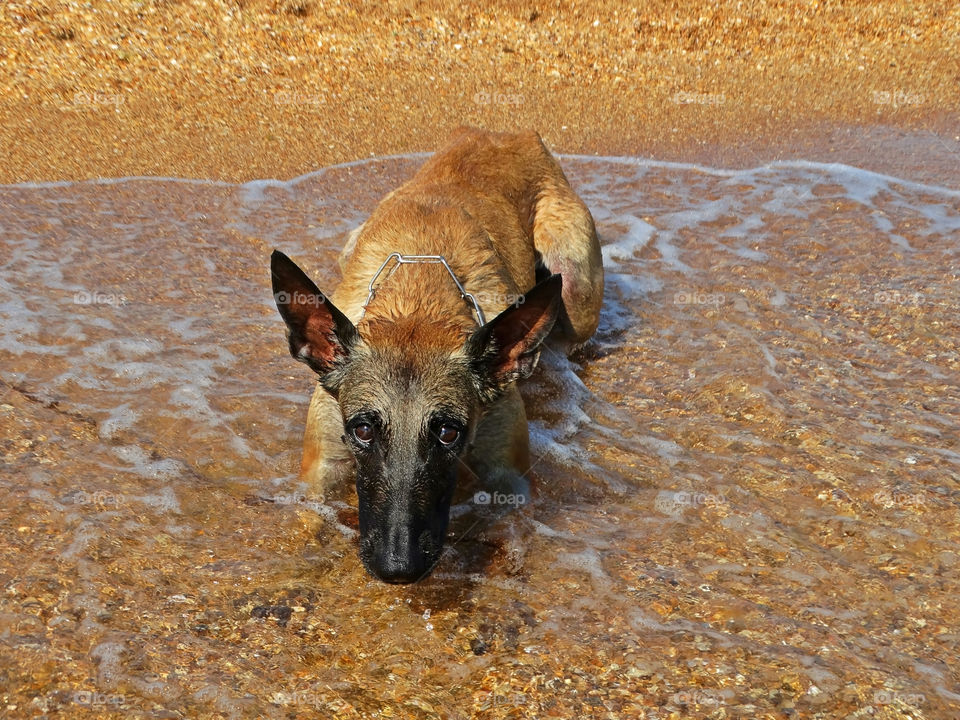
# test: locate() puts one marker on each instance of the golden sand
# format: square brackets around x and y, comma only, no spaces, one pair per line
[243,89]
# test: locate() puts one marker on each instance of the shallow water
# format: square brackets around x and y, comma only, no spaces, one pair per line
[746,486]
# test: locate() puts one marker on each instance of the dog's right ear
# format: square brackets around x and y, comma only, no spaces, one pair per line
[320,335]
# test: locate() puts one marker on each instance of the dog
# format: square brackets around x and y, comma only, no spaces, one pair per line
[449,289]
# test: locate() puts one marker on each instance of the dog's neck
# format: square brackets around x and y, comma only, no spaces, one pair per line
[436,292]
[396,261]
[420,296]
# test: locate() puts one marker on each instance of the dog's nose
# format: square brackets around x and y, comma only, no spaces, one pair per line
[393,570]
[400,559]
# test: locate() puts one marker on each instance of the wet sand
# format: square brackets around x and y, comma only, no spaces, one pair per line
[747,509]
[745,488]
[276,88]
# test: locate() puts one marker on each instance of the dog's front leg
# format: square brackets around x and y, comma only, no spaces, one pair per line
[326,460]
[500,456]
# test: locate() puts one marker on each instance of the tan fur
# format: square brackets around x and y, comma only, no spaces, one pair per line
[492,204]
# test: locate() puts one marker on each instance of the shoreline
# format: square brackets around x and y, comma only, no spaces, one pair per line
[924,156]
[931,181]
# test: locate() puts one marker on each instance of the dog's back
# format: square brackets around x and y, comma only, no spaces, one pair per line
[495,205]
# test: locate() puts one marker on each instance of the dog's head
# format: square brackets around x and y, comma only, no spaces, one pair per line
[410,394]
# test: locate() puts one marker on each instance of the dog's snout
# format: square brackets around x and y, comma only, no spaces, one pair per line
[392,569]
[399,558]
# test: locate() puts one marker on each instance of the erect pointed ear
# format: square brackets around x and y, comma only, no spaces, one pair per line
[320,335]
[507,348]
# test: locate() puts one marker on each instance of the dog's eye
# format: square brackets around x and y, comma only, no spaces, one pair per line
[363,432]
[447,434]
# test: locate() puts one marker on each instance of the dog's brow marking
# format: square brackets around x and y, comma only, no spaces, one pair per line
[411,259]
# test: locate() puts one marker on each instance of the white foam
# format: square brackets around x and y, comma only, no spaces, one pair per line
[638,235]
[164,501]
[138,461]
[120,418]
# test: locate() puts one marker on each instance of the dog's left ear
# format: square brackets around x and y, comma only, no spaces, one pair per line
[507,348]
[320,335]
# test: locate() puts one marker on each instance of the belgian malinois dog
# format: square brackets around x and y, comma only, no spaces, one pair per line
[416,386]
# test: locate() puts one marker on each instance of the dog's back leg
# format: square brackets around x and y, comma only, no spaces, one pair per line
[566,241]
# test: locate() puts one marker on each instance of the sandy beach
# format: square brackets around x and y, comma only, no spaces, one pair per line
[276,88]
[744,487]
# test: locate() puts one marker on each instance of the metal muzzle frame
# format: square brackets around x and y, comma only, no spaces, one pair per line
[413,259]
